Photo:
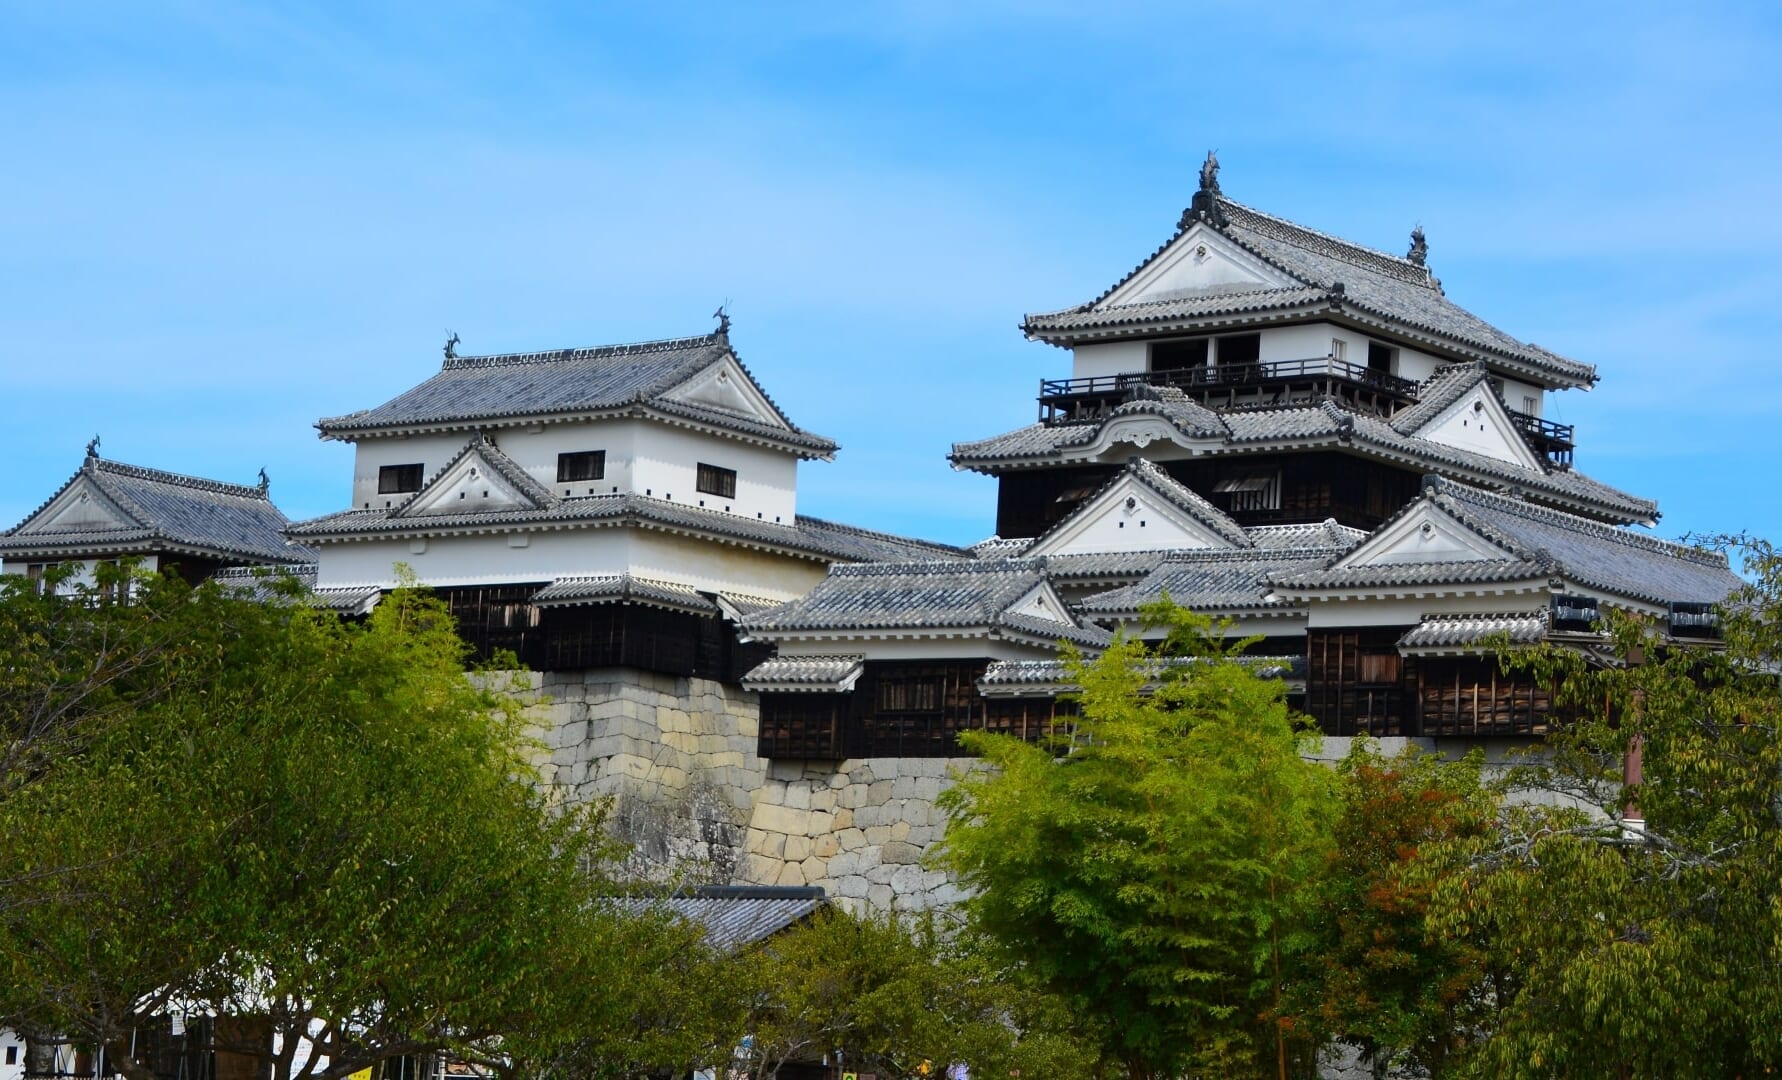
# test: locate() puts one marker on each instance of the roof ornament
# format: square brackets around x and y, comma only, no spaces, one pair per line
[264,482]
[93,447]
[1419,253]
[451,345]
[723,317]
[1205,206]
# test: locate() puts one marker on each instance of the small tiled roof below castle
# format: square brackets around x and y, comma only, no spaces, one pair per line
[1002,598]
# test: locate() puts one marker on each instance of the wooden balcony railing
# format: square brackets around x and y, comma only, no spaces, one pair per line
[1071,401]
[1550,440]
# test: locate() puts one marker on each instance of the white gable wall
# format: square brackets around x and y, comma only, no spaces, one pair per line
[1477,422]
[1197,259]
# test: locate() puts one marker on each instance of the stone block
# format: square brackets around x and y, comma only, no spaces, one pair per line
[900,830]
[758,870]
[797,796]
[880,896]
[878,834]
[822,798]
[815,869]
[782,819]
[825,846]
[820,823]
[797,848]
[791,874]
[844,819]
[852,885]
[851,839]
[899,853]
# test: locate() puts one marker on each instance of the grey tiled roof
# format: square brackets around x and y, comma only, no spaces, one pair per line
[262,583]
[1187,304]
[1329,425]
[922,596]
[1211,580]
[806,673]
[735,916]
[165,511]
[1102,565]
[1462,631]
[995,547]
[1328,271]
[608,378]
[1048,678]
[809,536]
[624,588]
[1323,534]
[1539,542]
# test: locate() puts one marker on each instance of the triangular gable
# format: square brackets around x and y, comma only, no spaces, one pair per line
[1041,602]
[1477,421]
[1425,533]
[1198,260]
[474,482]
[1131,514]
[727,387]
[82,506]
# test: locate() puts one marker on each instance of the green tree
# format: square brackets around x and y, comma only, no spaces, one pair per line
[1643,948]
[893,995]
[1155,872]
[321,829]
[1377,979]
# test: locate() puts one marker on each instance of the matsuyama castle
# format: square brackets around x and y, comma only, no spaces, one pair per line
[1282,429]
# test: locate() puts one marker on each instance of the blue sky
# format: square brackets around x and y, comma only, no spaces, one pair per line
[219,223]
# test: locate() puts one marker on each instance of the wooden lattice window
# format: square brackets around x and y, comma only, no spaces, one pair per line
[714,480]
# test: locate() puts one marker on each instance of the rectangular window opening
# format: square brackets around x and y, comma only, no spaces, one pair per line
[1239,350]
[1380,357]
[1179,355]
[581,465]
[399,479]
[714,480]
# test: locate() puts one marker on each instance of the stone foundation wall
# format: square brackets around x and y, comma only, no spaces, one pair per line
[676,757]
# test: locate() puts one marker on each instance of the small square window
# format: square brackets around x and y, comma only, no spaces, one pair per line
[398,479]
[581,465]
[716,481]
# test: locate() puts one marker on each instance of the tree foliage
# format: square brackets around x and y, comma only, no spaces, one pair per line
[320,826]
[1651,947]
[893,995]
[1376,978]
[1155,872]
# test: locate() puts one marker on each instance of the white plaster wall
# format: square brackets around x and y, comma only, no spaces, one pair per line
[482,559]
[665,466]
[370,455]
[641,455]
[1110,358]
[1481,432]
[715,567]
[1308,340]
[1338,614]
[12,1046]
[1515,391]
[492,558]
